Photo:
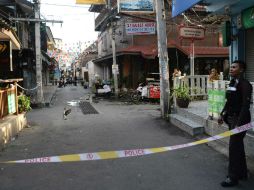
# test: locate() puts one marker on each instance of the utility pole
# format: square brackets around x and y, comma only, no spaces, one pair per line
[163,58]
[114,66]
[38,59]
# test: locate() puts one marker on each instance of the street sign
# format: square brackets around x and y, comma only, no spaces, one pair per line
[140,28]
[192,33]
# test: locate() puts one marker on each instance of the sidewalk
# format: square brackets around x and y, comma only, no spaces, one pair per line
[48,93]
[195,121]
[10,126]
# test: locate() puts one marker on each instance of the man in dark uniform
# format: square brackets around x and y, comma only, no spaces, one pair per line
[236,113]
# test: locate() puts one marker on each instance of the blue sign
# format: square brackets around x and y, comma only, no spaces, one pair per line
[179,6]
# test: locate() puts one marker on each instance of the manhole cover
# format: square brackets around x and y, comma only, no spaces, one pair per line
[87,108]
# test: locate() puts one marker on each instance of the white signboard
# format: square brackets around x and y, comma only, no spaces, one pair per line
[115,69]
[140,28]
[192,33]
[143,6]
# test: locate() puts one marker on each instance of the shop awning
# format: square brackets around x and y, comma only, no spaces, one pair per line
[9,35]
[208,51]
[147,51]
[150,51]
[201,51]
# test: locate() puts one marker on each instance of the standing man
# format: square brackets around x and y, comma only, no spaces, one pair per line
[236,113]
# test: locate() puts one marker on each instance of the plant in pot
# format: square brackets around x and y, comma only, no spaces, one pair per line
[24,104]
[182,96]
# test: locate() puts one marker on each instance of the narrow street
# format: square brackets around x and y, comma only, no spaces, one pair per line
[116,127]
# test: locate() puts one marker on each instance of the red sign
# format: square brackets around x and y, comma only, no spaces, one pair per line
[154,92]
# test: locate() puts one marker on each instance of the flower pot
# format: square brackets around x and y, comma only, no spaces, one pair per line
[182,103]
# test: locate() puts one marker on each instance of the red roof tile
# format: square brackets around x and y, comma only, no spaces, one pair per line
[208,51]
[148,51]
[201,51]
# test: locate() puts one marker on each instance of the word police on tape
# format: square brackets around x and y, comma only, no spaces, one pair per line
[128,153]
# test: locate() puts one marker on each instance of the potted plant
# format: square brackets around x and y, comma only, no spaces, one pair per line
[24,104]
[182,96]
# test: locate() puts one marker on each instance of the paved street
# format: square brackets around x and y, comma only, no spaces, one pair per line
[116,127]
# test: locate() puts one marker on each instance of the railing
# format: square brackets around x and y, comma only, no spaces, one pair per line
[197,84]
[9,97]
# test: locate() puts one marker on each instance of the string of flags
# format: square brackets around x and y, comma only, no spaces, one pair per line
[68,52]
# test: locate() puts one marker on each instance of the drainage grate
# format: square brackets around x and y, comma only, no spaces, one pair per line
[87,108]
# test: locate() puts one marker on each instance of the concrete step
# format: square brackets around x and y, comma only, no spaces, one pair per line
[186,113]
[186,124]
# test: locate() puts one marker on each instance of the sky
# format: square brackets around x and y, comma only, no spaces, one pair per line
[78,22]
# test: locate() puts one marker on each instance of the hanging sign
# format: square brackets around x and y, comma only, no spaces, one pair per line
[91,2]
[138,6]
[140,28]
[192,33]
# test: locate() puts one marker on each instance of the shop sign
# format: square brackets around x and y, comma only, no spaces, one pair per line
[140,28]
[192,33]
[138,6]
[154,91]
[248,18]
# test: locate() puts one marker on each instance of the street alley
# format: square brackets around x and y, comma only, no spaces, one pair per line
[116,126]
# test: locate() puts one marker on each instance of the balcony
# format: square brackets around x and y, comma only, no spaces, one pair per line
[103,18]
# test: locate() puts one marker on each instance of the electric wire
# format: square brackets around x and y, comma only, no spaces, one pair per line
[62,5]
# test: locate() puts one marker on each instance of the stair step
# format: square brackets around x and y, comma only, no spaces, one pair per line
[186,124]
[190,115]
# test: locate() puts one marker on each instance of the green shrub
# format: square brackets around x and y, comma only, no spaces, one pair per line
[182,92]
[24,103]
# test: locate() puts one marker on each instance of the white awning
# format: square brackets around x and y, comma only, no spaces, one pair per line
[8,35]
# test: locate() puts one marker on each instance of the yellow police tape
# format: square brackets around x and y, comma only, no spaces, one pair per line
[128,153]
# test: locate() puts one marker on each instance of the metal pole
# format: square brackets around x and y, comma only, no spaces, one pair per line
[38,59]
[163,58]
[114,66]
[192,59]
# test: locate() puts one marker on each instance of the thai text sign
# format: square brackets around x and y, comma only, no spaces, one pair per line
[140,28]
[144,6]
[192,33]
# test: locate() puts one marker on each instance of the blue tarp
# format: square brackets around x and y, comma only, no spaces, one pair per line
[179,6]
[218,6]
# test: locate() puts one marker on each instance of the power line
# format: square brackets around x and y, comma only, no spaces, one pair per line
[61,5]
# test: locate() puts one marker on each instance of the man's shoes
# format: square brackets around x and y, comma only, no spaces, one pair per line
[229,182]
